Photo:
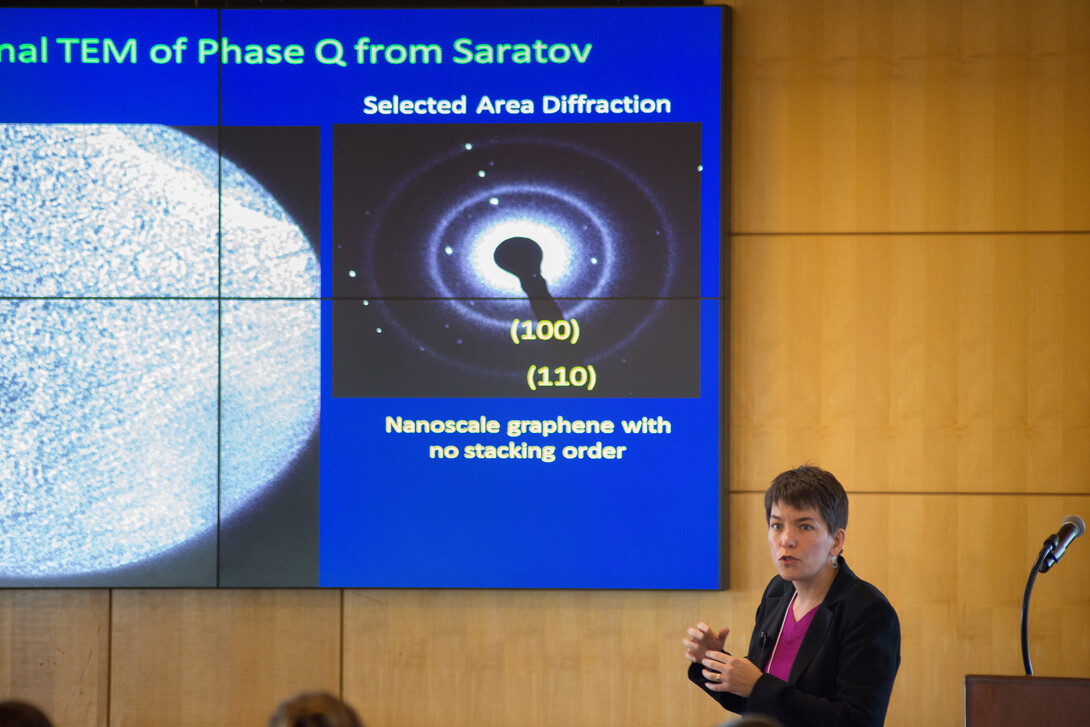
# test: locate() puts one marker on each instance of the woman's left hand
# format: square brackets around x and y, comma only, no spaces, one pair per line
[726,673]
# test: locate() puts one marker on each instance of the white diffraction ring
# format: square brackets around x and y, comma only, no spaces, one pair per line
[557,249]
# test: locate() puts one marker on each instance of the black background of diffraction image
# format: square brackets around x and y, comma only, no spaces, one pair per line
[402,193]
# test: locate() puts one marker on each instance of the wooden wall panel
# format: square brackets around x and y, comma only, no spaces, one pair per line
[54,652]
[936,363]
[911,116]
[533,658]
[197,658]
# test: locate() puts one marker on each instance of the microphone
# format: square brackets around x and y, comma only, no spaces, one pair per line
[1056,545]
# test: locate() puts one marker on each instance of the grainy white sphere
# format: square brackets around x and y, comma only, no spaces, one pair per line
[150,378]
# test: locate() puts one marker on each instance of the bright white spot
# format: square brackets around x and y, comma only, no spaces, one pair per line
[700,168]
[594,261]
[448,250]
[351,273]
[493,201]
[480,173]
[556,254]
[468,146]
[378,330]
[367,302]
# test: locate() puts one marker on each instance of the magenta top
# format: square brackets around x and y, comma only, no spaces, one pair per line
[788,645]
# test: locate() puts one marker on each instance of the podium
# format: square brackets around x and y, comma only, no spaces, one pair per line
[1021,701]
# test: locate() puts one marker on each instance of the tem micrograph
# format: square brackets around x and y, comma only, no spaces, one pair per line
[159,345]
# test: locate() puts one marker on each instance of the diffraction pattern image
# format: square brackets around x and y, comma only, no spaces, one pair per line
[506,260]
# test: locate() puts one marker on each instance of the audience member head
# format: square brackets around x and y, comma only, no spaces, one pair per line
[314,709]
[754,720]
[21,714]
[810,487]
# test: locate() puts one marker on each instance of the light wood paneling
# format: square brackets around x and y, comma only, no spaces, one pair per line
[54,652]
[194,658]
[935,364]
[532,658]
[911,116]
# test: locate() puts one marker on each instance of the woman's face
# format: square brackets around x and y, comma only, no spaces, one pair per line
[800,542]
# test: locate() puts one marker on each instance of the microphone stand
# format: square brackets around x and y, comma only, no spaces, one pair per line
[1049,545]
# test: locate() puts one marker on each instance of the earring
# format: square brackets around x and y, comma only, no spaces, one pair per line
[836,562]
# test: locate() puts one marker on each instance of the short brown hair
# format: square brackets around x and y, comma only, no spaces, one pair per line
[810,487]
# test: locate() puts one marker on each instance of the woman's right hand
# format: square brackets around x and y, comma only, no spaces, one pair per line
[700,639]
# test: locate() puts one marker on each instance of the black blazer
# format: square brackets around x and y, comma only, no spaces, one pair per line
[844,671]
